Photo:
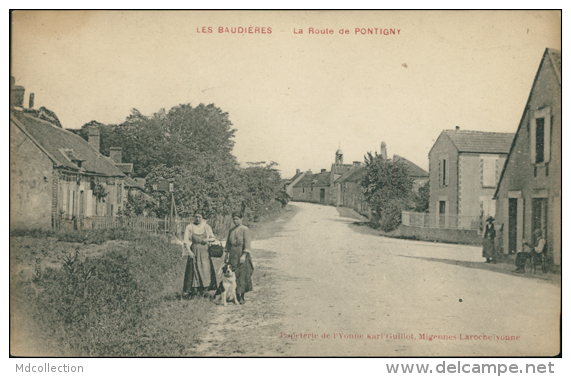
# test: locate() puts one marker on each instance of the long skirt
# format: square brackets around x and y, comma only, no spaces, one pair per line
[243,271]
[489,250]
[199,273]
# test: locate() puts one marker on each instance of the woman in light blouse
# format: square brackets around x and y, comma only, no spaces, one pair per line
[199,275]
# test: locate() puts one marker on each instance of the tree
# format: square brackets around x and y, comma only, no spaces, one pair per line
[387,187]
[183,136]
[422,199]
[261,184]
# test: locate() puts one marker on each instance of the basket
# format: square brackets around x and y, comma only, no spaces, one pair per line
[216,251]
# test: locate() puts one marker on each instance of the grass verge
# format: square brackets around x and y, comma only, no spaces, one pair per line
[105,293]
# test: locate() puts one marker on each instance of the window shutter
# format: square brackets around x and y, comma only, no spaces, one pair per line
[498,172]
[440,173]
[447,172]
[547,137]
[532,139]
[520,224]
[481,168]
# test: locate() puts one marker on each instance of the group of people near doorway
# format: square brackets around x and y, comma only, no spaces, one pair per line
[200,276]
[489,250]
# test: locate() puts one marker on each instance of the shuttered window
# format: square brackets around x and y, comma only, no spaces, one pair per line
[540,136]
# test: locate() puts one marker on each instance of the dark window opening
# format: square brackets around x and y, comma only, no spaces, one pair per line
[443,172]
[539,140]
[534,171]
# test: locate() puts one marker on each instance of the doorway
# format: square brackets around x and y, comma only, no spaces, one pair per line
[442,214]
[539,216]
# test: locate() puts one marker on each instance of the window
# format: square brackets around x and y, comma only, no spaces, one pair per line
[540,136]
[488,171]
[443,172]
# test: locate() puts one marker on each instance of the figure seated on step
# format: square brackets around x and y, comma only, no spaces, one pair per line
[530,252]
[522,257]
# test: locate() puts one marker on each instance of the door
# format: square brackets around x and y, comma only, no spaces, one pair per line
[442,214]
[322,196]
[539,216]
[512,225]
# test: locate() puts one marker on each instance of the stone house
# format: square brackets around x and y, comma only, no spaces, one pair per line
[528,196]
[314,188]
[56,176]
[349,185]
[290,183]
[465,167]
[418,175]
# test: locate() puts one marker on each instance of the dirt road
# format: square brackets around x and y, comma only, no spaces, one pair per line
[322,289]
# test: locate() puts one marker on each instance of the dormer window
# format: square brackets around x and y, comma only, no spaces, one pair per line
[71,157]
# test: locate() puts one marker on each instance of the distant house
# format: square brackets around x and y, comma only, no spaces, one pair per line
[349,185]
[529,192]
[314,188]
[288,184]
[418,175]
[338,169]
[465,167]
[56,176]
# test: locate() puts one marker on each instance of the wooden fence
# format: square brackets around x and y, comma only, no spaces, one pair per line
[176,226]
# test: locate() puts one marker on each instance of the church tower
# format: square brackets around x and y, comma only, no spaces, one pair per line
[339,157]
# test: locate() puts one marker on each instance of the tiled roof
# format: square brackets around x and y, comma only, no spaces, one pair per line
[414,170]
[355,175]
[341,168]
[292,179]
[480,142]
[55,141]
[555,56]
[126,168]
[319,179]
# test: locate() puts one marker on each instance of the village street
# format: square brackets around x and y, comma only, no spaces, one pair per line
[317,276]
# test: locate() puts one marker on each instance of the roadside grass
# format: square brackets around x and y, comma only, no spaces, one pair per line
[115,299]
[105,293]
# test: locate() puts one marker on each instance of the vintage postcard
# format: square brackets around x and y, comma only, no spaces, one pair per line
[285,183]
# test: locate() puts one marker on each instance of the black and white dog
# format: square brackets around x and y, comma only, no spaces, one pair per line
[227,287]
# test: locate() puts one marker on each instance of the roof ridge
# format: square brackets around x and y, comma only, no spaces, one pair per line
[481,132]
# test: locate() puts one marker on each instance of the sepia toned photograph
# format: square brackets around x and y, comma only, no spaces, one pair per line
[285,184]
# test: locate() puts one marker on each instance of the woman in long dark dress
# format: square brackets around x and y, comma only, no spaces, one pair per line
[238,256]
[489,251]
[199,275]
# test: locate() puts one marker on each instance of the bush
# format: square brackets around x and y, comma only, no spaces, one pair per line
[96,303]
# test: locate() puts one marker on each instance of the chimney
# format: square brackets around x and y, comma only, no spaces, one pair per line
[384,150]
[16,94]
[323,170]
[356,163]
[93,137]
[296,171]
[116,154]
[31,101]
[457,128]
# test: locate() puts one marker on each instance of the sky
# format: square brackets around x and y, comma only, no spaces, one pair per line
[293,97]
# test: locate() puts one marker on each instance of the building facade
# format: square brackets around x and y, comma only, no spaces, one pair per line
[465,167]
[56,176]
[528,196]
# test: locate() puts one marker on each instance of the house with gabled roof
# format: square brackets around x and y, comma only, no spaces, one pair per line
[418,175]
[351,191]
[56,176]
[289,183]
[314,188]
[464,169]
[528,196]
